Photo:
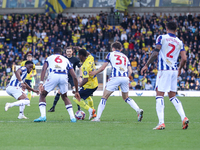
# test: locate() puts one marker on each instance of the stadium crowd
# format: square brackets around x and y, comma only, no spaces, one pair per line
[38,34]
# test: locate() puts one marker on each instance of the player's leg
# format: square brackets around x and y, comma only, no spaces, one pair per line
[42,107]
[22,100]
[84,94]
[51,82]
[163,85]
[124,86]
[68,106]
[102,104]
[71,82]
[90,102]
[56,99]
[176,102]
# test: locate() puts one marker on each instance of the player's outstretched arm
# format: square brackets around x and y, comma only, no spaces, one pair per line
[93,73]
[29,88]
[151,59]
[183,61]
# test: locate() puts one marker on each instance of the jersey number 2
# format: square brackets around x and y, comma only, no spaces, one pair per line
[58,60]
[120,60]
[169,53]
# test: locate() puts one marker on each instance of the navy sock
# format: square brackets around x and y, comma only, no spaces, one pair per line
[79,108]
[56,99]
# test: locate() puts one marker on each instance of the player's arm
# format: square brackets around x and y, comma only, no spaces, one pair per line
[17,74]
[93,73]
[129,71]
[151,59]
[29,88]
[183,61]
[75,80]
[44,69]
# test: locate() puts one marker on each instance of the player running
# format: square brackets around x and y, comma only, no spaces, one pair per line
[75,62]
[121,70]
[30,75]
[59,66]
[89,83]
[15,87]
[167,50]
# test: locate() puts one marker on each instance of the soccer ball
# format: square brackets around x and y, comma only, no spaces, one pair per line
[80,115]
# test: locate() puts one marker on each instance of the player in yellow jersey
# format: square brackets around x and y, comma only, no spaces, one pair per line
[89,83]
[30,75]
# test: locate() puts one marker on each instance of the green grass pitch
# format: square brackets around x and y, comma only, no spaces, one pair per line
[118,129]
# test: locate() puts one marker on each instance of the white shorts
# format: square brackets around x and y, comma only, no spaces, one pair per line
[53,80]
[14,91]
[113,83]
[166,81]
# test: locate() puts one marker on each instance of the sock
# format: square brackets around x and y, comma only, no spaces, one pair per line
[90,102]
[160,108]
[79,108]
[42,107]
[20,102]
[21,110]
[178,106]
[70,111]
[29,95]
[57,97]
[101,107]
[133,104]
[81,103]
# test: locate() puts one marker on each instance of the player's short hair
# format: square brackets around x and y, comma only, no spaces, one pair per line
[29,55]
[117,45]
[69,48]
[28,62]
[57,50]
[82,52]
[171,26]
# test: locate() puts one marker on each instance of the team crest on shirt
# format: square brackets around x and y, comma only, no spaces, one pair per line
[85,73]
[121,69]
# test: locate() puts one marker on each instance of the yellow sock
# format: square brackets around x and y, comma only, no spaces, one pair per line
[29,95]
[90,102]
[81,103]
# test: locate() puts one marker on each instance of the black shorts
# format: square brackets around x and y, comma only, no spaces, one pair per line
[28,82]
[85,93]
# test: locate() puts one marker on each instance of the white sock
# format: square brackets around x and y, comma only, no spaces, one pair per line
[90,110]
[160,108]
[42,107]
[70,111]
[133,104]
[101,107]
[178,106]
[20,102]
[21,109]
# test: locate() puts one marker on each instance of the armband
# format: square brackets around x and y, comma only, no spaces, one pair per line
[41,82]
[21,82]
[157,50]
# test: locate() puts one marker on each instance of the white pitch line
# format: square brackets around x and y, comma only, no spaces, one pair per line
[31,121]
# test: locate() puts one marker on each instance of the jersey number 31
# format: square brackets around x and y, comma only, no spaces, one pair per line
[119,58]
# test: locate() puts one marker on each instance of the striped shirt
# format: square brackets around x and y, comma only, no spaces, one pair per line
[171,46]
[119,63]
[14,81]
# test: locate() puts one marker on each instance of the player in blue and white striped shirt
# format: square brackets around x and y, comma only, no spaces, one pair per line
[16,86]
[168,48]
[121,70]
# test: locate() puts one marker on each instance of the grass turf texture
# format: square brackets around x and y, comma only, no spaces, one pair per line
[118,128]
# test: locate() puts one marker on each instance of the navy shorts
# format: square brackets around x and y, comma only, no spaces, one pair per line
[28,82]
[85,93]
